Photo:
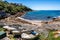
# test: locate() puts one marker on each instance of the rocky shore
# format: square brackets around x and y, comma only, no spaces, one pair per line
[39,27]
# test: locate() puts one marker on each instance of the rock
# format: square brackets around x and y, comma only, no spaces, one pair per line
[26,36]
[48,17]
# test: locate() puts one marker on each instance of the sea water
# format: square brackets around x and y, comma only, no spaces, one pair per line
[41,15]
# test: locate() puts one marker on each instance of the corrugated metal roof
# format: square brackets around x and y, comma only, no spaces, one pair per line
[1,33]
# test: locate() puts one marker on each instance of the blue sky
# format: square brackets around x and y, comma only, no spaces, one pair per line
[39,4]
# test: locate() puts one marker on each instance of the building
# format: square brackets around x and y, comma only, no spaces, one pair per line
[2,14]
[2,35]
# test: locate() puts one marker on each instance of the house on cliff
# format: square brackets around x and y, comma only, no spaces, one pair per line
[2,14]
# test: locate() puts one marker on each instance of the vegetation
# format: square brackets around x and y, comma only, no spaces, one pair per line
[13,8]
[1,28]
[50,37]
[11,37]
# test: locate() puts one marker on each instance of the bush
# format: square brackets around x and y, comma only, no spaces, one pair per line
[13,8]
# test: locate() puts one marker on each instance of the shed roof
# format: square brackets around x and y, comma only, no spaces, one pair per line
[1,33]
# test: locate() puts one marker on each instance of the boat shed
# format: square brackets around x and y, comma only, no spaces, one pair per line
[2,35]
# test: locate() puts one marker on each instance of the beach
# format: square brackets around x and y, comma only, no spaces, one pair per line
[26,25]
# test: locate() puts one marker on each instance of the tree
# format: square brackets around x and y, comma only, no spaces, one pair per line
[1,8]
[13,8]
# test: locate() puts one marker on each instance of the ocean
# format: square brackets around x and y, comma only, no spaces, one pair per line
[41,15]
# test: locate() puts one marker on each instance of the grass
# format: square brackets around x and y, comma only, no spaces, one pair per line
[11,37]
[1,28]
[51,36]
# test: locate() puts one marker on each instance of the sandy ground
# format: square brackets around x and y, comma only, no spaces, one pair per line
[35,22]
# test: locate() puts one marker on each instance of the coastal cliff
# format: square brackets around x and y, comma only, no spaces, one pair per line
[10,11]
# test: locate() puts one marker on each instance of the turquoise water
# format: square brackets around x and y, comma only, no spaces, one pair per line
[42,15]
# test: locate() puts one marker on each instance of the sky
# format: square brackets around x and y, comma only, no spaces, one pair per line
[39,4]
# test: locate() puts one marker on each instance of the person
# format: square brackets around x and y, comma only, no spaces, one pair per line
[33,32]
